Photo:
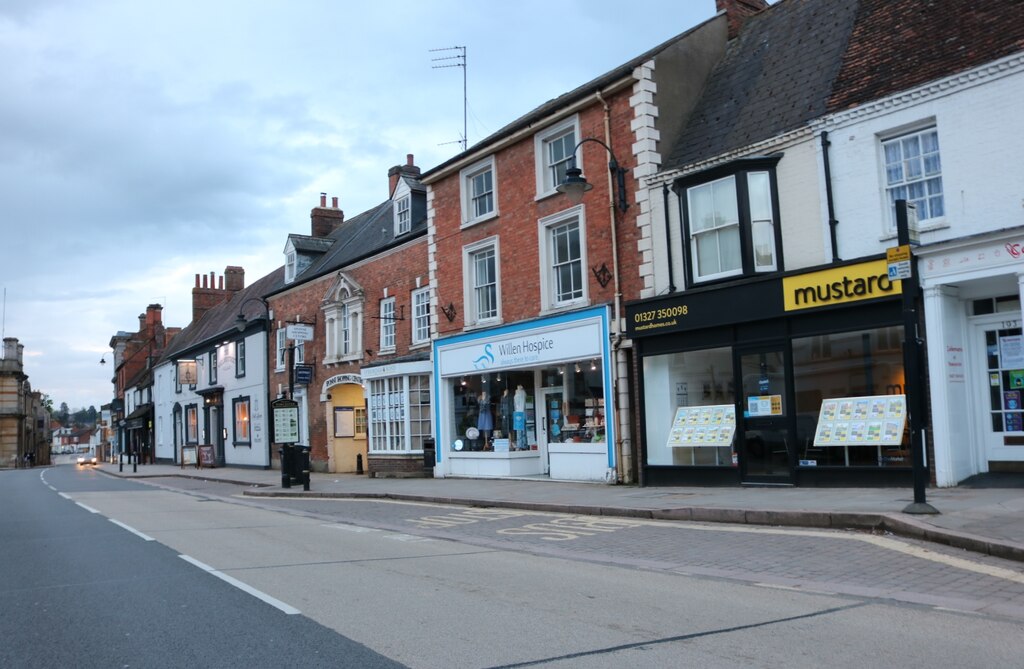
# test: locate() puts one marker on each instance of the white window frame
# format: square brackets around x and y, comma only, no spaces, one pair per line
[281,348]
[290,259]
[548,280]
[754,218]
[387,324]
[467,179]
[542,140]
[469,298]
[342,314]
[420,317]
[925,205]
[398,419]
[403,214]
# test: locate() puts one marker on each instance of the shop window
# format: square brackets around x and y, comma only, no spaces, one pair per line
[686,379]
[243,435]
[398,413]
[860,363]
[731,223]
[192,424]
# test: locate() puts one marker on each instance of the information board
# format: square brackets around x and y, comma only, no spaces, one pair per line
[286,421]
[207,457]
[873,420]
[703,426]
[188,456]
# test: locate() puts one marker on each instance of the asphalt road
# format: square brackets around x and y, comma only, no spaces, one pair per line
[431,586]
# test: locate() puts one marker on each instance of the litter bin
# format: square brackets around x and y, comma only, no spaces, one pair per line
[429,453]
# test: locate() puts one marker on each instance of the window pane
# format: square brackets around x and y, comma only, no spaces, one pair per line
[725,202]
[707,254]
[759,190]
[764,245]
[729,243]
[913,172]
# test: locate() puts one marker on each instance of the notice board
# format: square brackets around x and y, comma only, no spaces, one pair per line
[207,457]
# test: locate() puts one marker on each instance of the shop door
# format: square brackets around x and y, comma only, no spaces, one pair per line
[999,385]
[552,422]
[765,441]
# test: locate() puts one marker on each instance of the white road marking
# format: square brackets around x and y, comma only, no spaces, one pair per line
[262,596]
[87,508]
[131,529]
[65,496]
[350,528]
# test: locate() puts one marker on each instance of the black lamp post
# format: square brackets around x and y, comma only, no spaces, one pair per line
[575,184]
[912,385]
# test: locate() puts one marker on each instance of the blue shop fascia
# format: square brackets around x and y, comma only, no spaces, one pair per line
[532,398]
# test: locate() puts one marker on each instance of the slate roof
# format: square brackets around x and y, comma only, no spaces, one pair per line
[360,237]
[305,243]
[776,75]
[799,60]
[219,321]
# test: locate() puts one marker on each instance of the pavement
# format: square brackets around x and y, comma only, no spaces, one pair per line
[984,514]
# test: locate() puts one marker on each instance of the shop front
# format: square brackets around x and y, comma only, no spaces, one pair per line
[529,399]
[972,296]
[783,381]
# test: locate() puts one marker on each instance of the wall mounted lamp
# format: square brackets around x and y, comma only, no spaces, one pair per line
[575,184]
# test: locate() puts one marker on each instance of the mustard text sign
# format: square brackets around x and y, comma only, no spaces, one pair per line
[852,283]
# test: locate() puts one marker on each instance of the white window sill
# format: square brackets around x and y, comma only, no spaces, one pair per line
[480,325]
[419,344]
[564,306]
[940,224]
[482,219]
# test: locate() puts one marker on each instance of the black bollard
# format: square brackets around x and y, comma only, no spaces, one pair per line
[305,469]
[120,461]
[135,464]
[286,478]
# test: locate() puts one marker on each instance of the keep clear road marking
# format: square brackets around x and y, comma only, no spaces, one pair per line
[262,596]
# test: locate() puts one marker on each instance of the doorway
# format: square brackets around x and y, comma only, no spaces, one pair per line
[765,443]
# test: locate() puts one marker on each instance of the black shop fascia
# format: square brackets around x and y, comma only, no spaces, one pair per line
[797,338]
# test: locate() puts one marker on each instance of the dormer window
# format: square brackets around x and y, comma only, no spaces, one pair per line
[403,215]
[289,266]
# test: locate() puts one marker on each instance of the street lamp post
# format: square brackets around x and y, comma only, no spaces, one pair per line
[912,385]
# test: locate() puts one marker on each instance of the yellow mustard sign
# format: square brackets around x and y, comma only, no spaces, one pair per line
[852,283]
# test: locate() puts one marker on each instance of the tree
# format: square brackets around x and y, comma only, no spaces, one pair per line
[64,415]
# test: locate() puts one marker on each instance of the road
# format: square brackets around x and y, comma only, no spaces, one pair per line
[193,573]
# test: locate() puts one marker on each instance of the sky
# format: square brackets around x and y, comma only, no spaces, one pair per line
[143,142]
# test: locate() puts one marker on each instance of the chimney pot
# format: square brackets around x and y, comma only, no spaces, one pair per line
[334,202]
[323,199]
[409,160]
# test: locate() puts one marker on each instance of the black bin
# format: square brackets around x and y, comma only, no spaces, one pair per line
[429,453]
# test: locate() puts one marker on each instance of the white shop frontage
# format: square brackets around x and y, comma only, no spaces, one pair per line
[528,399]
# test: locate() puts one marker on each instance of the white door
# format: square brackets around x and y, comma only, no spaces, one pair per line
[550,420]
[998,384]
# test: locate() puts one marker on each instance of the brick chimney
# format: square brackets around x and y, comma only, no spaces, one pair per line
[208,294]
[407,170]
[738,11]
[323,219]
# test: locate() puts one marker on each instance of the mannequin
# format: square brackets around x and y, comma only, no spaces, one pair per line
[484,420]
[519,418]
[505,412]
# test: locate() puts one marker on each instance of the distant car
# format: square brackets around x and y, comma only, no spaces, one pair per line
[86,460]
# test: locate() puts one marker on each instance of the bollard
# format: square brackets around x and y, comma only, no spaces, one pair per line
[135,463]
[359,463]
[120,462]
[305,468]
[286,479]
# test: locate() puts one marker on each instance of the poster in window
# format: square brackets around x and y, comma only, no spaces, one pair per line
[1016,378]
[1011,352]
[1014,423]
[1011,400]
[344,422]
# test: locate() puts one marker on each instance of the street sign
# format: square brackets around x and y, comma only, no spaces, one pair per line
[286,421]
[303,374]
[898,260]
[299,332]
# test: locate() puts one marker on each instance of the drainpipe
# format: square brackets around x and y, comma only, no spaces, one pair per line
[668,239]
[623,443]
[832,222]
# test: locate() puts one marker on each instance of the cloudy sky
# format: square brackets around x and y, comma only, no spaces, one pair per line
[143,142]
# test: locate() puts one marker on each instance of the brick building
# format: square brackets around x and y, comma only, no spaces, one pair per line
[24,420]
[361,286]
[531,365]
